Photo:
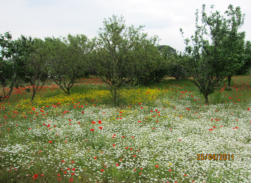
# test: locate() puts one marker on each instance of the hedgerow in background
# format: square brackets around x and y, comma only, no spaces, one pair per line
[175,62]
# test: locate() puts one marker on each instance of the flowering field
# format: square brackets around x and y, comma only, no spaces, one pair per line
[154,137]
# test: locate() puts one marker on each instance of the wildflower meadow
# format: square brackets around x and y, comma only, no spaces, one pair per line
[155,135]
[121,105]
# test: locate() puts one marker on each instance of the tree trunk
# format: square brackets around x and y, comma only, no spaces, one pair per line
[11,88]
[115,96]
[229,81]
[33,93]
[68,91]
[206,98]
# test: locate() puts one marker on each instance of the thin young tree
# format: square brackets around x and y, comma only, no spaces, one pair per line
[205,55]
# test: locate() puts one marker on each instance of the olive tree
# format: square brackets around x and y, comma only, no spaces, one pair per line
[14,54]
[67,59]
[123,55]
[36,72]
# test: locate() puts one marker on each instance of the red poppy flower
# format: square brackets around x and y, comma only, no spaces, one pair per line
[93,122]
[102,170]
[100,127]
[92,130]
[170,170]
[99,122]
[210,129]
[157,166]
[71,179]
[114,145]
[187,108]
[35,176]
[60,175]
[50,141]
[117,165]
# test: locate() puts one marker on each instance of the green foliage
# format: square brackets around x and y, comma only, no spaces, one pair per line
[246,59]
[217,49]
[67,59]
[14,54]
[6,65]
[124,55]
[36,71]
[174,62]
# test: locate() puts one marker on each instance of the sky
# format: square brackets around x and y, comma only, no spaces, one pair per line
[163,18]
